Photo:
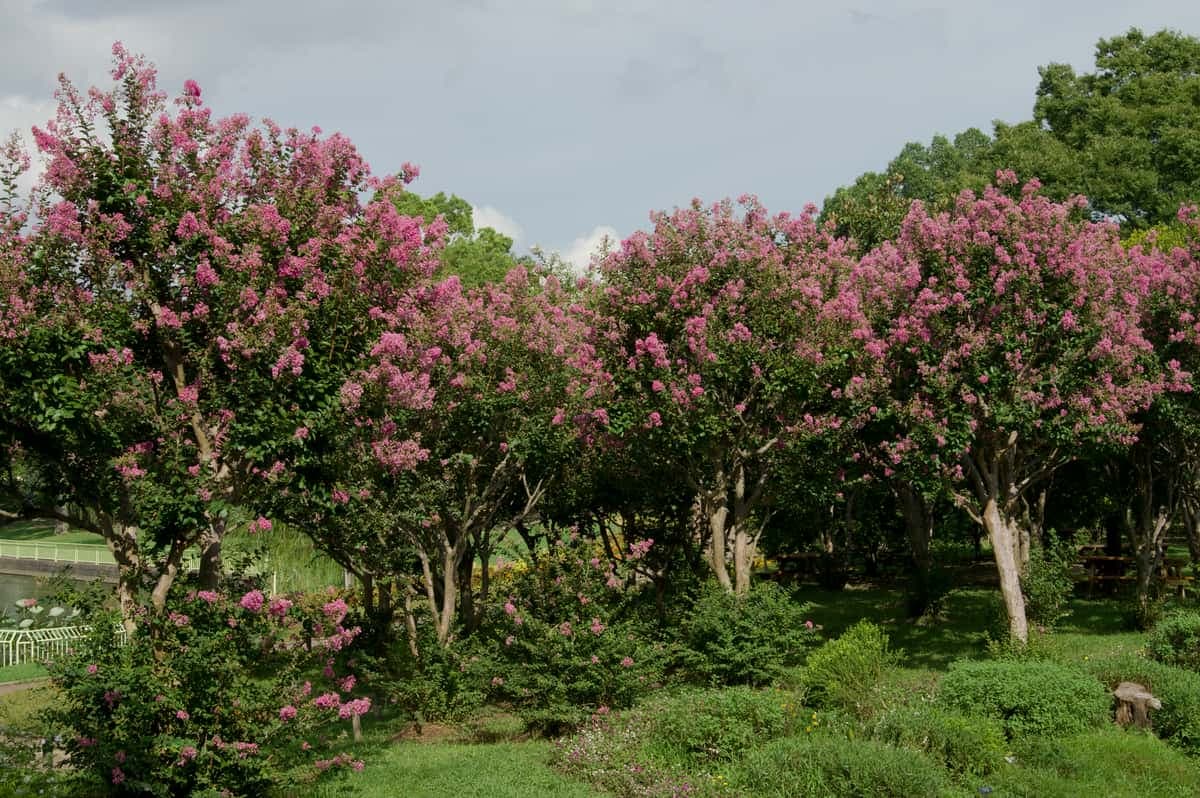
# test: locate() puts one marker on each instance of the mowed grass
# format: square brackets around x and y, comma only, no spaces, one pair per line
[24,672]
[455,770]
[40,531]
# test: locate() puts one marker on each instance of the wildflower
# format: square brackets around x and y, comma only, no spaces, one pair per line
[627,662]
[182,714]
[118,776]
[287,713]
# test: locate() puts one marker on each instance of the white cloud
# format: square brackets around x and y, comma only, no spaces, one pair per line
[18,114]
[487,216]
[581,251]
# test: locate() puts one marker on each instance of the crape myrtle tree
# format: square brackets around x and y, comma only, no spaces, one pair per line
[1011,331]
[189,291]
[470,407]
[1159,474]
[715,328]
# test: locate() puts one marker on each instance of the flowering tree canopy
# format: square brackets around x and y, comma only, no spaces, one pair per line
[188,290]
[1010,331]
[723,343]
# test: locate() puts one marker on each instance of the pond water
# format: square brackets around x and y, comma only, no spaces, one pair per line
[13,587]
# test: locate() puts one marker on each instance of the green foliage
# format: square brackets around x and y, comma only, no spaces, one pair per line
[1175,640]
[565,643]
[1047,583]
[1111,762]
[1029,698]
[697,727]
[963,743]
[751,639]
[845,671]
[1179,690]
[824,767]
[193,700]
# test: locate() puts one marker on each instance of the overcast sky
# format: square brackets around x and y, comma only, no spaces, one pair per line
[560,120]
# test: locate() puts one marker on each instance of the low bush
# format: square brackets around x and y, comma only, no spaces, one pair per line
[751,639]
[964,744]
[1179,690]
[213,693]
[566,641]
[845,671]
[1047,582]
[828,767]
[696,727]
[1028,697]
[1175,640]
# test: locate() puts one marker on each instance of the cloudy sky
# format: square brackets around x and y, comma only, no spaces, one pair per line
[563,120]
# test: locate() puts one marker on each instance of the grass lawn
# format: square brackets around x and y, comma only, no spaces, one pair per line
[457,770]
[40,531]
[24,672]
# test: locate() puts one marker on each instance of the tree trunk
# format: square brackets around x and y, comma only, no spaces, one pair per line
[122,542]
[717,544]
[918,524]
[744,547]
[209,577]
[61,527]
[1004,537]
[410,621]
[1149,547]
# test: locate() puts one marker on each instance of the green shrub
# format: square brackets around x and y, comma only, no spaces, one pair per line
[962,743]
[1047,584]
[562,643]
[828,767]
[1179,690]
[1176,640]
[213,693]
[701,726]
[844,671]
[1028,697]
[751,639]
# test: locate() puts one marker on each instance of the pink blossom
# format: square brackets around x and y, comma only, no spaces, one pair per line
[627,662]
[359,706]
[279,607]
[253,601]
[118,775]
[182,714]
[92,668]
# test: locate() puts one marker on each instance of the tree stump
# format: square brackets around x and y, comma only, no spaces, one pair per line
[1134,703]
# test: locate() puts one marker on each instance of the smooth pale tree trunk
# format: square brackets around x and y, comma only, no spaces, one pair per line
[410,620]
[1149,548]
[209,576]
[122,542]
[61,527]
[443,611]
[717,544]
[1004,540]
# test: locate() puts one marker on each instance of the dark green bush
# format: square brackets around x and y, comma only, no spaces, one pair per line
[962,743]
[701,726]
[1176,640]
[751,639]
[828,767]
[1028,697]
[845,671]
[1179,690]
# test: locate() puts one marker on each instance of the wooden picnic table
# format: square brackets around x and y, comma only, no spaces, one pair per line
[1109,568]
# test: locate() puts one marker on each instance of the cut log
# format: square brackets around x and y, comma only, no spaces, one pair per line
[1134,703]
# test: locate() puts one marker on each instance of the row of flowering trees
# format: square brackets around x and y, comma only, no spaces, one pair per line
[202,315]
